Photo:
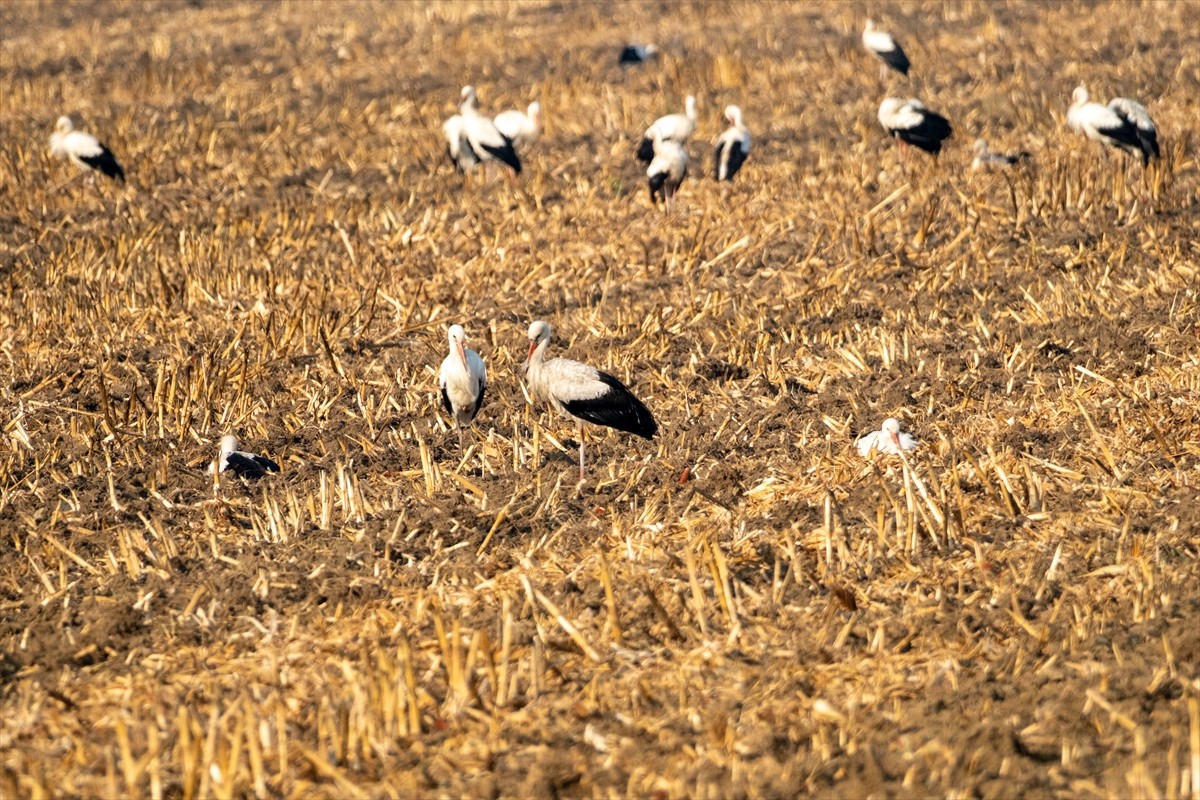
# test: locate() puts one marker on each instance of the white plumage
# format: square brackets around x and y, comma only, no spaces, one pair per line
[732,146]
[521,127]
[887,440]
[881,45]
[1123,123]
[84,150]
[479,135]
[583,393]
[457,147]
[912,123]
[670,128]
[667,169]
[463,379]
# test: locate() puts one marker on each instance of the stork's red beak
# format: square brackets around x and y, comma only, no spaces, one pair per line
[532,347]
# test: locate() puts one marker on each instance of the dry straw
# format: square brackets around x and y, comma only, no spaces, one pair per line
[743,607]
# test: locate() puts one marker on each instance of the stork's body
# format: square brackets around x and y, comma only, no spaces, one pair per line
[84,150]
[912,123]
[671,128]
[241,463]
[463,379]
[667,170]
[457,148]
[732,147]
[481,137]
[881,45]
[888,440]
[520,127]
[583,393]
[1123,123]
[985,158]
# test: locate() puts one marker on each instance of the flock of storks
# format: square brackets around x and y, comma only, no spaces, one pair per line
[586,394]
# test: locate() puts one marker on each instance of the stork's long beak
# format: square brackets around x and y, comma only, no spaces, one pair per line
[532,346]
[461,348]
[896,440]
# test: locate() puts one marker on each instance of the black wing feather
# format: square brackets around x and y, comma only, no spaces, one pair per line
[245,465]
[928,135]
[631,55]
[657,180]
[446,401]
[616,408]
[737,157]
[478,400]
[645,151]
[896,59]
[506,154]
[106,163]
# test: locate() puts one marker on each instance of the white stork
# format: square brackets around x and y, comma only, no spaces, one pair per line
[986,158]
[1123,123]
[637,54]
[881,45]
[463,379]
[583,393]
[671,128]
[481,137]
[457,148]
[242,464]
[520,127]
[732,146]
[667,170]
[887,440]
[84,150]
[912,123]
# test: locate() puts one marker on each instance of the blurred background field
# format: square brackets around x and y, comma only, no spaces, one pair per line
[742,608]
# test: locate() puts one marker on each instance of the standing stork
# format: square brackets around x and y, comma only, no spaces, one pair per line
[667,170]
[480,135]
[244,465]
[670,128]
[1123,124]
[887,440]
[457,148]
[520,127]
[881,45]
[912,123]
[463,379]
[732,147]
[84,150]
[583,393]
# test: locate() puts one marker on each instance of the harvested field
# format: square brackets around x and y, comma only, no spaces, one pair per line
[743,607]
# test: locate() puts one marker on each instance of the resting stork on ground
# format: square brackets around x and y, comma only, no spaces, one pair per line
[888,440]
[241,463]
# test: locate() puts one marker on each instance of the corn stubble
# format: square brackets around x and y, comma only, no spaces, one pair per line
[743,608]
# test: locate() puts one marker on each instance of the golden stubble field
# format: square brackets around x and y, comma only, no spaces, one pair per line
[1011,612]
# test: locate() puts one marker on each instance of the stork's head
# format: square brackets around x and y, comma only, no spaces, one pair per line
[891,428]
